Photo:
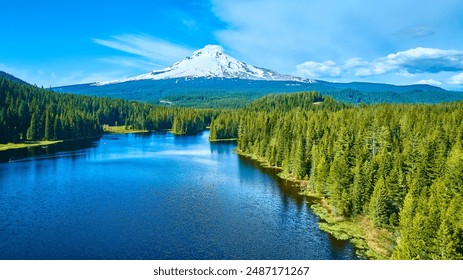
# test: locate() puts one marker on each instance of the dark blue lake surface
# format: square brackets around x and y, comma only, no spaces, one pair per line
[152,196]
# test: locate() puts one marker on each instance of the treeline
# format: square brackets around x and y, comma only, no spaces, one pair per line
[411,96]
[300,101]
[225,126]
[227,123]
[399,165]
[190,121]
[31,113]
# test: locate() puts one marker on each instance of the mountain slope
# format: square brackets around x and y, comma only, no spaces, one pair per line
[232,93]
[209,62]
[210,78]
[12,78]
[190,92]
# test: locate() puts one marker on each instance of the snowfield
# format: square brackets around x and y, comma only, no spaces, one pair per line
[210,62]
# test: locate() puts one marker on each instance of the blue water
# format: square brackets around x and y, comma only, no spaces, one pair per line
[152,196]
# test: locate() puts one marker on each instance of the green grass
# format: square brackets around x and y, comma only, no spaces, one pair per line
[26,144]
[371,242]
[121,129]
[224,140]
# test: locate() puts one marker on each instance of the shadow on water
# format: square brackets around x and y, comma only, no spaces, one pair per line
[222,147]
[188,139]
[55,150]
[338,247]
[290,191]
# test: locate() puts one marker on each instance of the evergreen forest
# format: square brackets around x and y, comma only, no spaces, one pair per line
[399,165]
[28,113]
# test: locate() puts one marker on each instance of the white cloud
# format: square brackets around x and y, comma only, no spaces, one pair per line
[131,62]
[429,60]
[282,33]
[318,69]
[156,50]
[427,65]
[429,82]
[456,80]
[417,60]
[408,63]
[80,77]
[355,62]
[416,31]
[363,72]
[190,24]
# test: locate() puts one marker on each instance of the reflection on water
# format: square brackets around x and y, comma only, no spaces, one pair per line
[221,147]
[153,196]
[65,149]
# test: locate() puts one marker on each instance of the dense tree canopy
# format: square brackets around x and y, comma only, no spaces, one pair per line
[399,165]
[31,113]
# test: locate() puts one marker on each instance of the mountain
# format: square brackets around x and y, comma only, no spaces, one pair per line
[12,78]
[210,62]
[210,78]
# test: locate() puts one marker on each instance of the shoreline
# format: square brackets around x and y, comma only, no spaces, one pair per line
[121,129]
[223,140]
[370,242]
[27,144]
[30,144]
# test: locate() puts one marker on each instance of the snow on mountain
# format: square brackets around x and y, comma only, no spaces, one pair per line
[210,62]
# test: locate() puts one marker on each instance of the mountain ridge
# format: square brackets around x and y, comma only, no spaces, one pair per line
[210,78]
[210,62]
[232,93]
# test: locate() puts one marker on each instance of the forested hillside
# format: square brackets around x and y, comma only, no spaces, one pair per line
[12,78]
[237,93]
[398,165]
[31,113]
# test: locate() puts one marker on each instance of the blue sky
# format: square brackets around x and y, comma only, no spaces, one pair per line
[53,43]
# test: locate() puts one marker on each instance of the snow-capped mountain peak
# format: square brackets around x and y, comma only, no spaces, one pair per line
[209,49]
[210,62]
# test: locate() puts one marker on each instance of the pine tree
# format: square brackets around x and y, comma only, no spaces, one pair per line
[378,209]
[339,180]
[32,132]
[48,135]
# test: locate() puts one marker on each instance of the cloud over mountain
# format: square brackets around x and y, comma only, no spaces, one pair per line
[456,80]
[417,60]
[406,63]
[152,49]
[319,69]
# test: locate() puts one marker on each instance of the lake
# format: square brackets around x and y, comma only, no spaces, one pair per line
[153,196]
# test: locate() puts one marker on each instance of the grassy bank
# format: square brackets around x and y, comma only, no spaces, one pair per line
[121,129]
[26,144]
[224,140]
[371,242]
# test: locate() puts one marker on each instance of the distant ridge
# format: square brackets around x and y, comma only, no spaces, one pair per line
[380,87]
[232,93]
